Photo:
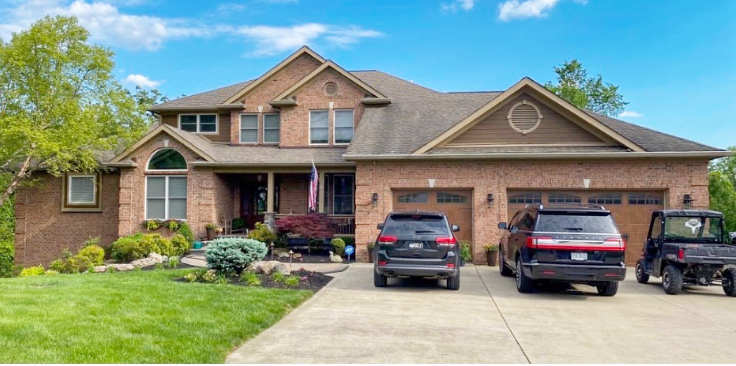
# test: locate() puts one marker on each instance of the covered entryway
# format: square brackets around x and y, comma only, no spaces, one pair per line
[456,204]
[631,210]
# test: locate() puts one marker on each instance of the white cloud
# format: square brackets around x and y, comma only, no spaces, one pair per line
[453,7]
[231,8]
[279,1]
[515,9]
[141,80]
[630,114]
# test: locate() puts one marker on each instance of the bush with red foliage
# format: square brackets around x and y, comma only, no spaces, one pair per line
[313,226]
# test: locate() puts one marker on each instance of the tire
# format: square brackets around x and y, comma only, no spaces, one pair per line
[608,289]
[729,282]
[524,284]
[641,274]
[453,283]
[672,280]
[379,280]
[505,271]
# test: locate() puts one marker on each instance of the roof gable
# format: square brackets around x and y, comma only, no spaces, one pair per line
[197,144]
[333,66]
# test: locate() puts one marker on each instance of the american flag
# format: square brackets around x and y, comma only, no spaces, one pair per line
[313,187]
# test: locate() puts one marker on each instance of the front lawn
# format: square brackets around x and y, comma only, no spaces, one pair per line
[132,317]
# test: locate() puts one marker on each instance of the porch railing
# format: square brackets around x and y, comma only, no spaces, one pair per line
[344,225]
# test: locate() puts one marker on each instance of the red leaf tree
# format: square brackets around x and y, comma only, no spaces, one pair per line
[313,226]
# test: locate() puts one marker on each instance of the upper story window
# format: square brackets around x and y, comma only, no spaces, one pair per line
[344,126]
[167,159]
[249,128]
[199,123]
[81,192]
[271,128]
[319,127]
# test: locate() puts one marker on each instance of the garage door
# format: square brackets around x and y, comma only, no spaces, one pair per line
[631,210]
[456,204]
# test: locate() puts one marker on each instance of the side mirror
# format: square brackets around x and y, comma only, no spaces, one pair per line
[502,225]
[733,237]
[514,229]
[380,226]
[455,228]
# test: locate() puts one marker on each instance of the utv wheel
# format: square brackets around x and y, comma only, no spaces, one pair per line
[729,282]
[524,284]
[379,280]
[641,274]
[672,280]
[608,289]
[453,283]
[505,271]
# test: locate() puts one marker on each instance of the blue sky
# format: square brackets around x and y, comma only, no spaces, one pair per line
[675,61]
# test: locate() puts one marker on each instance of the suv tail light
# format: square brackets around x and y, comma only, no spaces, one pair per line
[446,241]
[539,241]
[545,242]
[387,240]
[621,244]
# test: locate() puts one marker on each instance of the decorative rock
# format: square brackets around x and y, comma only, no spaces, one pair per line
[124,267]
[165,258]
[283,255]
[297,256]
[335,258]
[268,267]
[99,269]
[157,258]
[145,262]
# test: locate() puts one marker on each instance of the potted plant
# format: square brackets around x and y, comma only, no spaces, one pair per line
[211,227]
[491,254]
[371,246]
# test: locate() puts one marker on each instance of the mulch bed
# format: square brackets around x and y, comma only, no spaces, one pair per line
[179,266]
[313,281]
[309,258]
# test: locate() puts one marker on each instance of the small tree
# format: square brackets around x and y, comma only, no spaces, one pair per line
[721,186]
[574,85]
[313,226]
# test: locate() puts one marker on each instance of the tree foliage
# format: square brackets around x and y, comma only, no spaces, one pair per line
[592,93]
[60,105]
[721,183]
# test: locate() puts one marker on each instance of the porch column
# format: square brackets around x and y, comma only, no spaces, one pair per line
[268,217]
[321,192]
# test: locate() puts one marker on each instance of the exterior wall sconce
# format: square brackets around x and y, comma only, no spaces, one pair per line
[687,199]
[490,200]
[374,199]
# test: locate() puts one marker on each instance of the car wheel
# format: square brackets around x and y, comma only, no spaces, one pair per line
[608,289]
[505,271]
[641,274]
[672,280]
[379,280]
[453,283]
[524,284]
[729,282]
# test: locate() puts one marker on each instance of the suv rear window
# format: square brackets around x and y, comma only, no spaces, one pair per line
[415,224]
[566,222]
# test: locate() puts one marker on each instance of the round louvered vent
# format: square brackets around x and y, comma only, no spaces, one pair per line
[524,117]
[330,88]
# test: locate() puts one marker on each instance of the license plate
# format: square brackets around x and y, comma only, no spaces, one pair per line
[578,256]
[416,245]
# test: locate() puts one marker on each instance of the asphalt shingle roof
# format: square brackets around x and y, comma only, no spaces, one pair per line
[208,99]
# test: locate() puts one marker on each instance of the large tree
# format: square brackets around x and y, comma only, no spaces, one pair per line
[60,105]
[722,180]
[574,85]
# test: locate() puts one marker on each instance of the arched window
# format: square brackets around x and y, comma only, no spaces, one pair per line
[167,159]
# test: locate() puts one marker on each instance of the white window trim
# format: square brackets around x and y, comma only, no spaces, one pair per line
[240,128]
[333,192]
[148,162]
[309,134]
[166,196]
[264,129]
[334,127]
[69,189]
[217,122]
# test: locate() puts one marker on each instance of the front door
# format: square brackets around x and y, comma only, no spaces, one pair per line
[253,196]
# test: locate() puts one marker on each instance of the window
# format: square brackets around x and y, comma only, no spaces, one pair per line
[319,126]
[249,128]
[167,159]
[605,199]
[343,194]
[444,197]
[419,197]
[563,198]
[656,227]
[644,199]
[81,193]
[166,197]
[343,126]
[198,123]
[534,197]
[576,223]
[271,126]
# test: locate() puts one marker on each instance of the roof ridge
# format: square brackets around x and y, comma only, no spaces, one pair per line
[204,92]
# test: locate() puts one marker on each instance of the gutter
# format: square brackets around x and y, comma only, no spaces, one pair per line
[259,165]
[211,107]
[544,156]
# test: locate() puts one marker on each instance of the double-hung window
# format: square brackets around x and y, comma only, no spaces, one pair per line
[249,128]
[166,197]
[344,126]
[198,123]
[343,194]
[319,127]
[81,192]
[271,127]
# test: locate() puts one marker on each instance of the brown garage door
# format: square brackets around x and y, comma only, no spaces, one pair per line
[456,204]
[631,210]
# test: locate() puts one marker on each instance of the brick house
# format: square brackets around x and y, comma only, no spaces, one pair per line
[380,143]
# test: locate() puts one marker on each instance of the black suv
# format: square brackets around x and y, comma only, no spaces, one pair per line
[568,243]
[417,244]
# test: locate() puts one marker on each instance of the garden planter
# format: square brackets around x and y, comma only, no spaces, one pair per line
[210,234]
[492,258]
[197,245]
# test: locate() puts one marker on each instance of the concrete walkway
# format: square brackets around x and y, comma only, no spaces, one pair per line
[488,321]
[198,260]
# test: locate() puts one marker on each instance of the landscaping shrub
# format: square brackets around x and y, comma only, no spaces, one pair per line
[57,265]
[250,278]
[180,245]
[233,255]
[92,255]
[32,271]
[191,277]
[338,246]
[262,233]
[139,246]
[173,262]
[6,258]
[349,240]
[278,277]
[314,226]
[155,243]
[291,281]
[186,231]
[127,248]
[50,272]
[465,251]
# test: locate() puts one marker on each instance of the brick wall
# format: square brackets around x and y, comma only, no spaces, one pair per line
[43,231]
[294,193]
[675,177]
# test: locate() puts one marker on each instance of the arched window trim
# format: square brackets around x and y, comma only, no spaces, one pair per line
[148,162]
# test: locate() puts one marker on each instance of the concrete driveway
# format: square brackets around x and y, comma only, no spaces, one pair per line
[488,321]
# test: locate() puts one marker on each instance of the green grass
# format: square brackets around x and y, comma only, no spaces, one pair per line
[132,317]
